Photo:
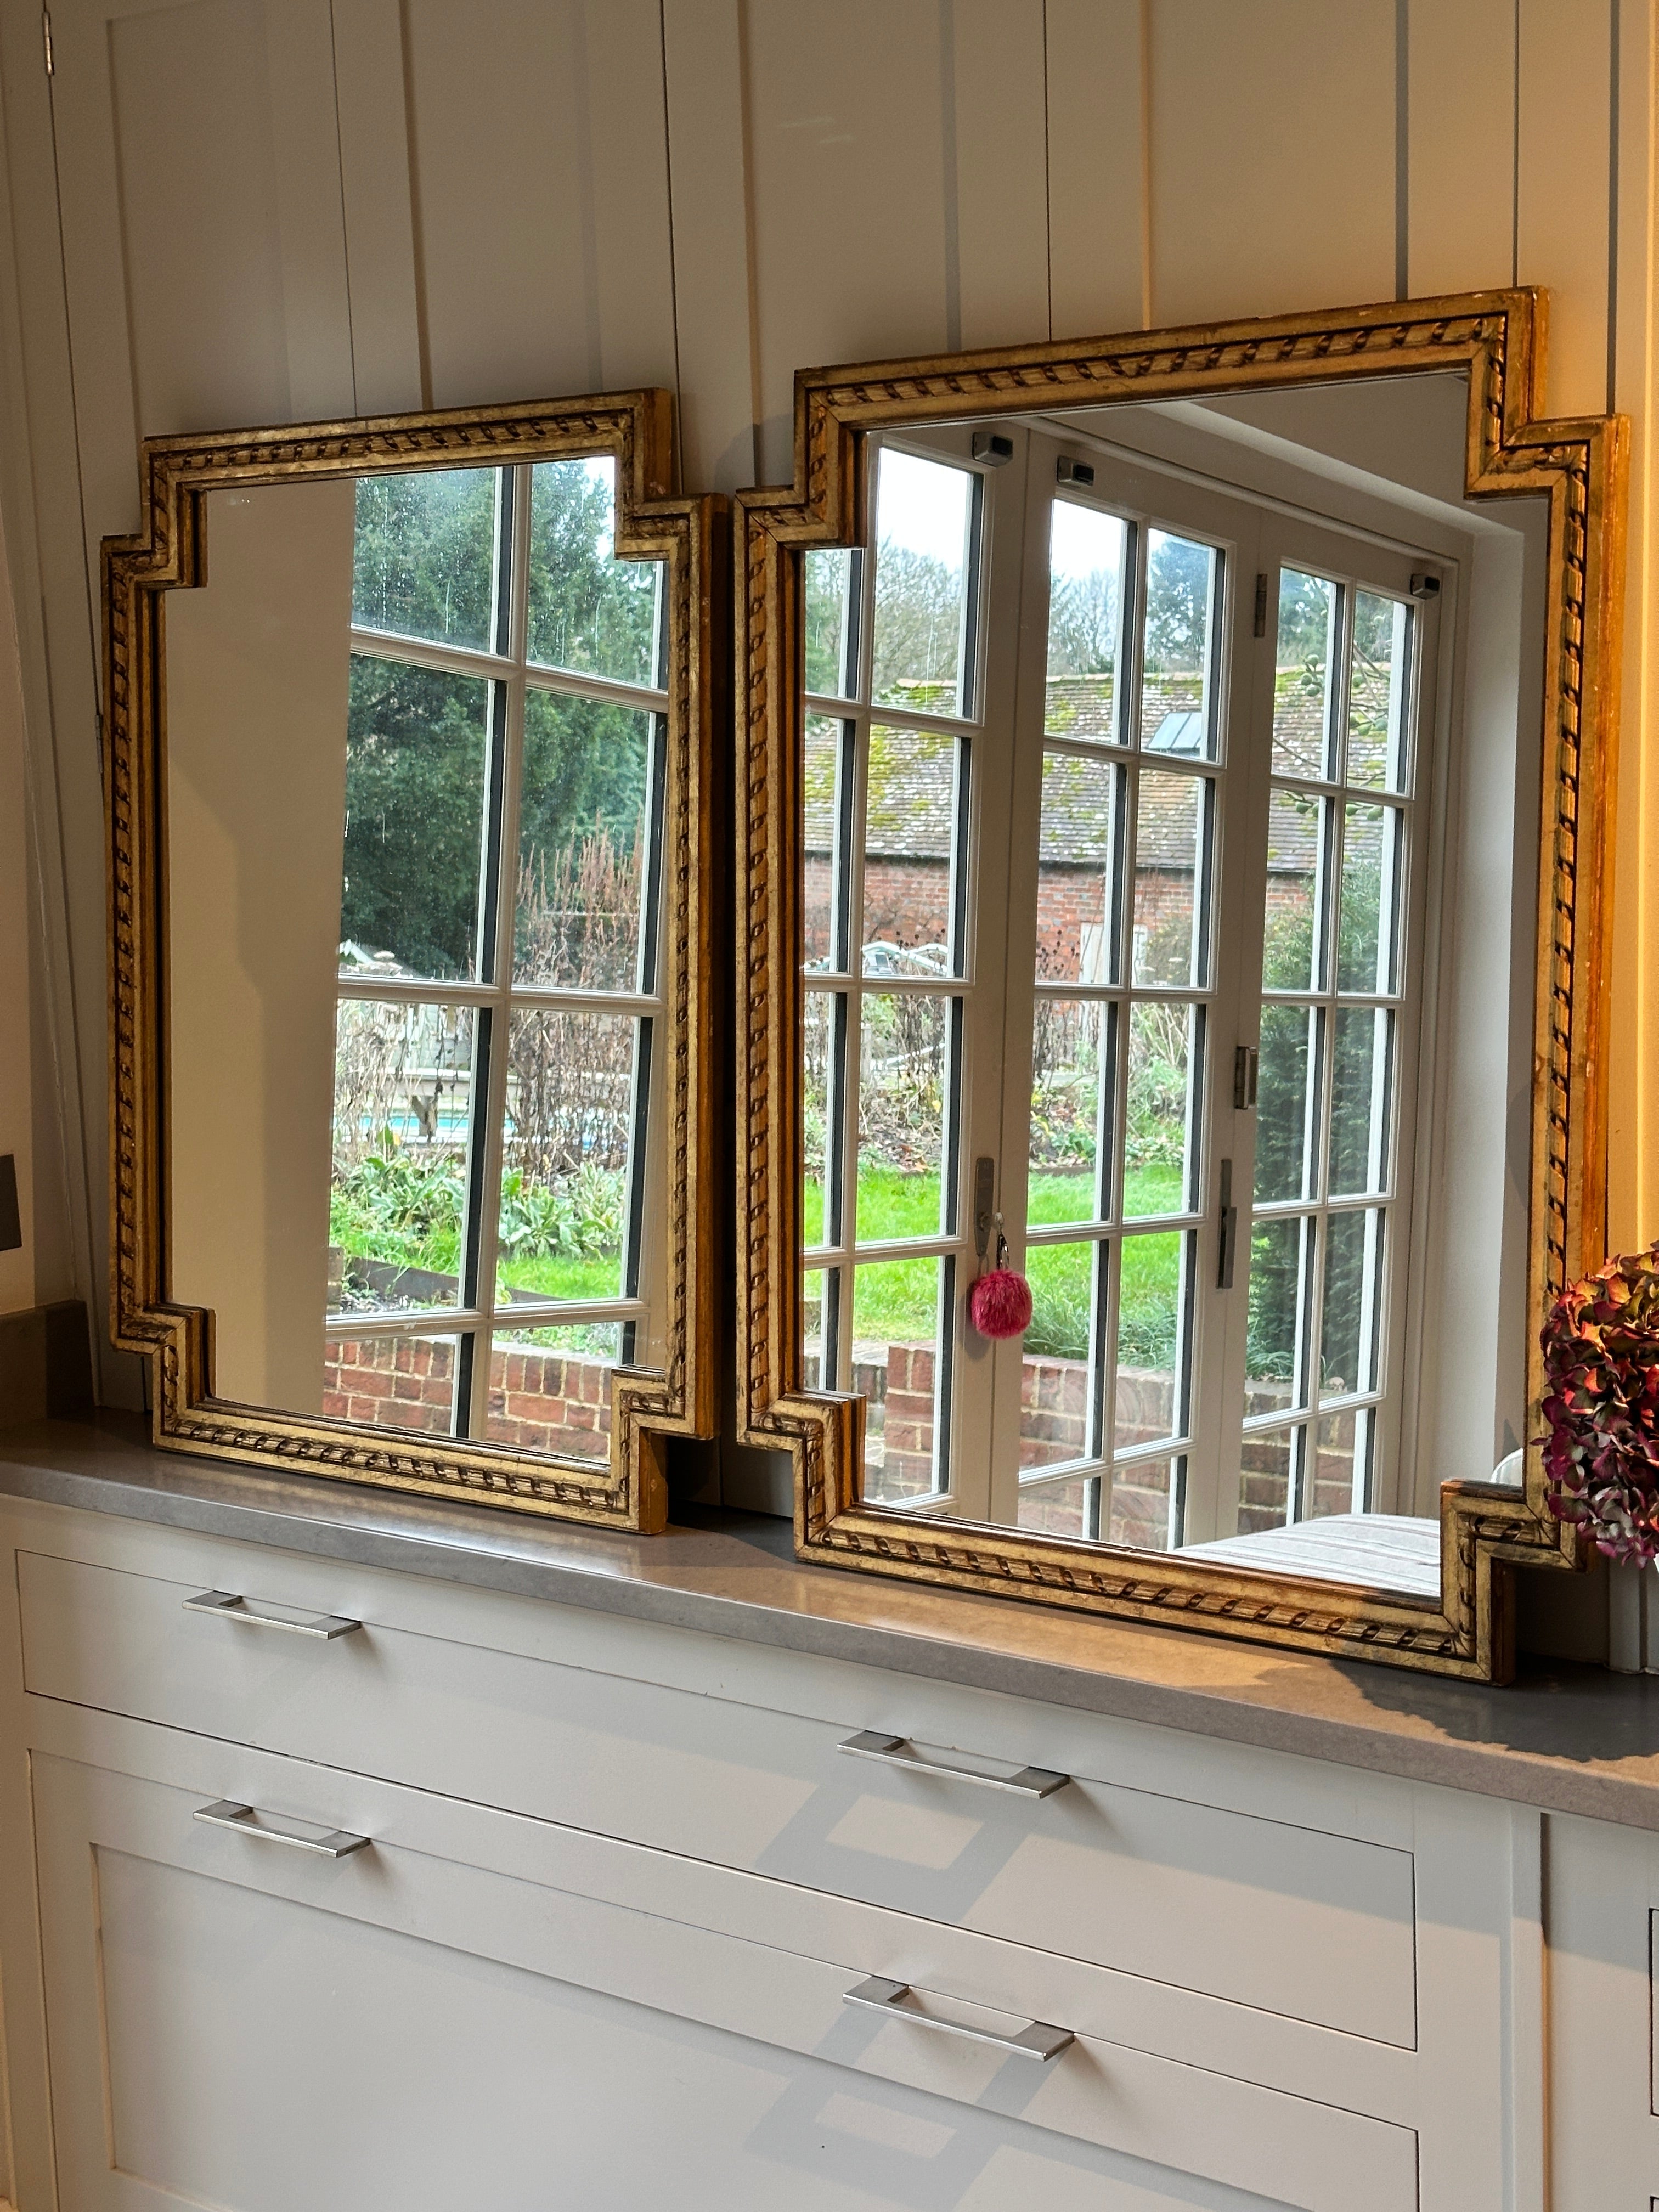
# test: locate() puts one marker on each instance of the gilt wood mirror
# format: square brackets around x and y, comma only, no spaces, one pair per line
[407,734]
[1174,788]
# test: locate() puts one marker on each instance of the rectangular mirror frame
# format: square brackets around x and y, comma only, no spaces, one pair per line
[1496,338]
[170,553]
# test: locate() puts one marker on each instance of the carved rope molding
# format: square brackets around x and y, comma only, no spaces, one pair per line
[1497,338]
[169,553]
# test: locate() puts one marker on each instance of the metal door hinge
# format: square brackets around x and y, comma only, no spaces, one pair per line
[1261,606]
[45,34]
[1246,1060]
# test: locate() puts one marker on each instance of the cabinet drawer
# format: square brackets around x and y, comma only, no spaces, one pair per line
[238,2023]
[1290,1919]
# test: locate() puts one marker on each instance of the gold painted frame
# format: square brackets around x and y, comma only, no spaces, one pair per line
[1498,338]
[170,553]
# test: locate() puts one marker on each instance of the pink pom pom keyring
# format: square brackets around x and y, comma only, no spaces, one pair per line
[999,1302]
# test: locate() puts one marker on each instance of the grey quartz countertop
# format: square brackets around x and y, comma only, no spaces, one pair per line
[1569,1739]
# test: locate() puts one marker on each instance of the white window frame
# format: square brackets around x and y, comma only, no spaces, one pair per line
[1253,534]
[494,997]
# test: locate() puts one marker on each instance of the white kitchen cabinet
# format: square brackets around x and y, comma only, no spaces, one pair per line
[620,1880]
[239,2023]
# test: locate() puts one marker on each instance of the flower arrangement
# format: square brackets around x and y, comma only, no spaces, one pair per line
[1601,1403]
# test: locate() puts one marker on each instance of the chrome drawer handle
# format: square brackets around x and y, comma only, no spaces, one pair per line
[1038,2041]
[899,1751]
[229,1607]
[273,1828]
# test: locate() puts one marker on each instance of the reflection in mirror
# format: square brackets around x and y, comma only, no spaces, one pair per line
[415,776]
[1170,794]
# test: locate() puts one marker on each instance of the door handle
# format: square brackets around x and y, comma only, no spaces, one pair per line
[1228,1251]
[273,1828]
[899,1751]
[1039,2041]
[326,1625]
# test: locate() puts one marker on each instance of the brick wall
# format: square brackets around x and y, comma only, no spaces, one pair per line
[538,1400]
[906,901]
[1053,1422]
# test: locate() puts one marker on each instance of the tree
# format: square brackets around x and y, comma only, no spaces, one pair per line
[1179,586]
[418,740]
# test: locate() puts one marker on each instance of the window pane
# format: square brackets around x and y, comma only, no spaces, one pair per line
[583,840]
[821,805]
[1058,1360]
[1302,676]
[1142,1497]
[589,611]
[829,631]
[1067,1108]
[1288,1056]
[1296,843]
[423,557]
[1059,1508]
[550,1388]
[1376,692]
[402,1095]
[1366,932]
[1158,1125]
[1153,1288]
[1353,1269]
[818,1359]
[1170,833]
[896,1368]
[1085,600]
[392,1381]
[1175,663]
[901,1086]
[924,510]
[1360,1100]
[1267,1469]
[1080,865]
[1341,1467]
[1276,1327]
[566,1154]
[417,745]
[910,826]
[823,1030]
[1062,1280]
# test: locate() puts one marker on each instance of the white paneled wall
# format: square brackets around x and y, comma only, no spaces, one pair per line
[287,209]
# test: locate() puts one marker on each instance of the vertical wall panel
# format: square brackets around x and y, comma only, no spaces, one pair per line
[542,192]
[1001,207]
[702,59]
[628,122]
[201,234]
[853,256]
[1633,1179]
[388,370]
[311,217]
[1562,189]
[1096,196]
[1273,156]
[203,242]
[1461,152]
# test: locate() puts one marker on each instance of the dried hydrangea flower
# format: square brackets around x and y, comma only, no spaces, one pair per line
[1601,1403]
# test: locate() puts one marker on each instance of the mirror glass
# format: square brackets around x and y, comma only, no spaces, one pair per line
[1169,825]
[414,768]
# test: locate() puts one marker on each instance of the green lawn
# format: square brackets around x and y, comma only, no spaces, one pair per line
[548,1276]
[561,1278]
[898,1299]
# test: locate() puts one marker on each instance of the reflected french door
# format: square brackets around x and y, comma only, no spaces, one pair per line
[1062,800]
